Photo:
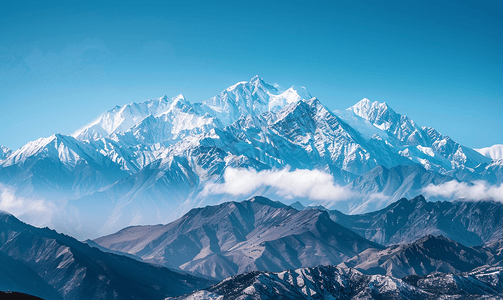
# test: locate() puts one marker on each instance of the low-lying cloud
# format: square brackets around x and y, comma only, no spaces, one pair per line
[33,211]
[476,190]
[310,184]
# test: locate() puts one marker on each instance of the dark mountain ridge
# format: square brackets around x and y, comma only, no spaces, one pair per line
[73,270]
[468,222]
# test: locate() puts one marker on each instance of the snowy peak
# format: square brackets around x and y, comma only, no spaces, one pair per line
[379,114]
[424,146]
[4,152]
[122,118]
[256,80]
[362,108]
[57,145]
[494,152]
[253,97]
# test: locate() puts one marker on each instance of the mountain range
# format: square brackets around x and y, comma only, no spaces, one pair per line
[259,248]
[329,282]
[236,237]
[150,162]
[264,235]
[427,255]
[471,223]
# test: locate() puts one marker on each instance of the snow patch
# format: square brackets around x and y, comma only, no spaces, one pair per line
[426,150]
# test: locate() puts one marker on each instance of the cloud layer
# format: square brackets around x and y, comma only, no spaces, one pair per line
[311,184]
[33,211]
[476,190]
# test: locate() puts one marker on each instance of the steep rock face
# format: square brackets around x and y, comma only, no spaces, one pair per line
[77,271]
[468,222]
[328,282]
[237,237]
[426,255]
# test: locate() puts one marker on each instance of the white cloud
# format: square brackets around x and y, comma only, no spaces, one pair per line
[310,184]
[476,190]
[36,212]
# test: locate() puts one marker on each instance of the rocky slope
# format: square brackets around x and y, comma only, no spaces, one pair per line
[328,282]
[425,256]
[467,222]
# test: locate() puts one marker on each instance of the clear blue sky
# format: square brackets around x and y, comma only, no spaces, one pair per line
[438,62]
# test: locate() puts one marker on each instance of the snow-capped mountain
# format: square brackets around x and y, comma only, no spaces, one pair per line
[254,97]
[329,282]
[423,145]
[58,167]
[152,161]
[238,237]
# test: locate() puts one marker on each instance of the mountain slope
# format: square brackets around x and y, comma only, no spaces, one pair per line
[426,255]
[467,222]
[423,145]
[78,271]
[16,276]
[237,237]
